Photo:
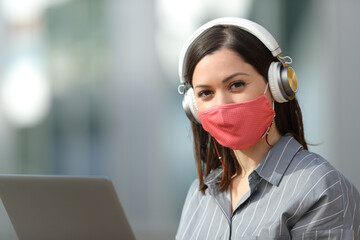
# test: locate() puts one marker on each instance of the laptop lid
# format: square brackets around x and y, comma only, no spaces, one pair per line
[43,207]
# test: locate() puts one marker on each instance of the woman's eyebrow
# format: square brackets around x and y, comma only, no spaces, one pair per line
[233,75]
[201,86]
[225,80]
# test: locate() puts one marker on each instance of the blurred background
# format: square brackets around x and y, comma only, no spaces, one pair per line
[89,87]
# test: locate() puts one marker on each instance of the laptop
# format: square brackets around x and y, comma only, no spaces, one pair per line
[44,207]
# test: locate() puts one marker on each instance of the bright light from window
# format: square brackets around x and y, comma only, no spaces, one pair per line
[177,19]
[25,10]
[25,94]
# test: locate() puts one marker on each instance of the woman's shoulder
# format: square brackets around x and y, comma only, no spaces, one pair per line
[194,187]
[312,162]
[193,193]
[318,173]
[324,190]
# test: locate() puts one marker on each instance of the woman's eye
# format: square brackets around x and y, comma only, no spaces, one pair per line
[204,93]
[237,84]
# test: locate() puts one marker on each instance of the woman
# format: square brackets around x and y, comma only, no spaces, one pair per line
[256,178]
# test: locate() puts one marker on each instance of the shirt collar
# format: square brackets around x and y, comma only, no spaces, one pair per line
[278,159]
[214,177]
[272,167]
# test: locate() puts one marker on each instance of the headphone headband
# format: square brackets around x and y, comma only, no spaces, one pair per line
[255,29]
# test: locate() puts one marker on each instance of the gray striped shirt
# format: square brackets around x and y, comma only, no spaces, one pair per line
[294,194]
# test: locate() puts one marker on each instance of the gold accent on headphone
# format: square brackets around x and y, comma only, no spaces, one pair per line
[292,79]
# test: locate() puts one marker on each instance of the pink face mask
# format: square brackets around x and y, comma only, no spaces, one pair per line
[239,125]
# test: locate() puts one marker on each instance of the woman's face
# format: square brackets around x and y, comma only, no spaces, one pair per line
[223,77]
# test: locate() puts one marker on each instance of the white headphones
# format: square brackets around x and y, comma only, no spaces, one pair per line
[282,78]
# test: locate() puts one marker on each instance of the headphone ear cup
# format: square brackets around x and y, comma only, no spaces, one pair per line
[190,107]
[274,79]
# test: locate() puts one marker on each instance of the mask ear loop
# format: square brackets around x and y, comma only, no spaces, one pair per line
[267,85]
[267,141]
[268,129]
[220,158]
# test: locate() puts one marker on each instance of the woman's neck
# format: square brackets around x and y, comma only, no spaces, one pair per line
[249,158]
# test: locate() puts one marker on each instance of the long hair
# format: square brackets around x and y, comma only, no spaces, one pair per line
[288,117]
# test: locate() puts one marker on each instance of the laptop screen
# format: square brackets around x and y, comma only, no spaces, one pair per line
[43,207]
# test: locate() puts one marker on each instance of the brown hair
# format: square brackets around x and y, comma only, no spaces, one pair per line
[288,117]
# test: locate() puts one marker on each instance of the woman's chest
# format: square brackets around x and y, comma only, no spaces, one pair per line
[260,213]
